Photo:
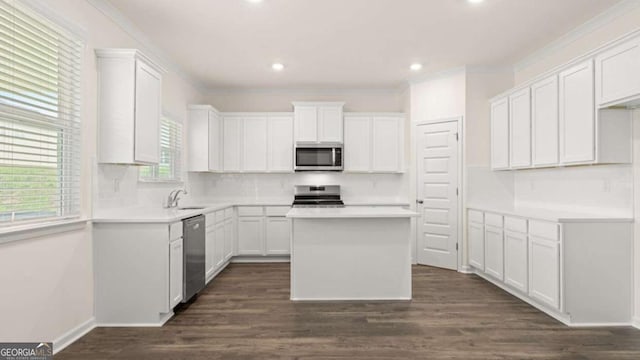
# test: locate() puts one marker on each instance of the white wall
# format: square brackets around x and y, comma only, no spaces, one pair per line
[439,97]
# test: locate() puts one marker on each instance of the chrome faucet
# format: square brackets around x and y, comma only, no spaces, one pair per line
[174,196]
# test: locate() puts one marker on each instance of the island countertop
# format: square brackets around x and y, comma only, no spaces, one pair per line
[350,212]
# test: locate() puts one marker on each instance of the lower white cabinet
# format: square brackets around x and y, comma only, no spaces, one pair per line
[218,253]
[219,241]
[228,239]
[493,252]
[476,245]
[515,260]
[176,262]
[263,231]
[544,271]
[250,235]
[277,236]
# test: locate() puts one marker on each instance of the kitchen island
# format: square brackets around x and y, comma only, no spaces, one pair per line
[350,253]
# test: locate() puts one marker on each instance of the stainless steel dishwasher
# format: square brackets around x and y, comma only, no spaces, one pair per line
[194,256]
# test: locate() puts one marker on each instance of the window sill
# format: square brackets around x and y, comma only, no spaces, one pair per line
[30,231]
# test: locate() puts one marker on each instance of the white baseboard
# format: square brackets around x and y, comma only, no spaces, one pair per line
[635,322]
[163,319]
[72,335]
[466,270]
[261,259]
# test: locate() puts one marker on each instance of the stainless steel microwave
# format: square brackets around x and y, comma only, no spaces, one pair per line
[318,157]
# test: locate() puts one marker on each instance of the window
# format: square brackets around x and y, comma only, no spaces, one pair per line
[168,169]
[39,117]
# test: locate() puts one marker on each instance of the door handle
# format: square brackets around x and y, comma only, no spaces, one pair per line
[419,202]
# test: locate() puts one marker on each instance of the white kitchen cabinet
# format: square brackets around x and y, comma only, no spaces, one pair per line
[388,143]
[476,245]
[228,239]
[544,118]
[250,235]
[278,237]
[500,134]
[209,255]
[494,251]
[577,117]
[129,107]
[515,260]
[280,144]
[219,244]
[374,143]
[204,139]
[176,262]
[357,143]
[254,144]
[618,75]
[544,271]
[318,122]
[232,140]
[520,129]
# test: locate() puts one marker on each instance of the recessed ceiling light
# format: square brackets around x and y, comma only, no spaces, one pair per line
[475,1]
[277,67]
[254,1]
[416,67]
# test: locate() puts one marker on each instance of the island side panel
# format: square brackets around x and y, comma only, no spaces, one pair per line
[351,259]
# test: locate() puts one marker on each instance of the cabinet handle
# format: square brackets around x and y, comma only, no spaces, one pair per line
[419,202]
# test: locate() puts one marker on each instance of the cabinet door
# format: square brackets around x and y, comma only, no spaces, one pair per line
[494,252]
[500,134]
[476,245]
[306,123]
[218,254]
[515,260]
[618,73]
[147,114]
[357,143]
[215,142]
[544,116]
[198,140]
[577,121]
[209,252]
[232,140]
[387,144]
[520,129]
[277,236]
[175,272]
[544,271]
[254,144]
[250,232]
[229,240]
[330,124]
[280,144]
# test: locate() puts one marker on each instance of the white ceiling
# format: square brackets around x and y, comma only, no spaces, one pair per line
[231,44]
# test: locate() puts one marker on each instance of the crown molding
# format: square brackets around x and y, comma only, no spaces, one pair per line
[597,22]
[145,43]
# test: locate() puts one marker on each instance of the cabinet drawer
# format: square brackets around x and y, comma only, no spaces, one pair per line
[228,213]
[544,229]
[493,220]
[515,224]
[219,216]
[175,231]
[277,210]
[476,216]
[250,211]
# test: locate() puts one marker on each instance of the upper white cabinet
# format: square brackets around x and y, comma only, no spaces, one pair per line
[618,75]
[204,139]
[520,129]
[129,107]
[254,144]
[280,144]
[577,120]
[232,140]
[500,134]
[544,117]
[374,143]
[318,122]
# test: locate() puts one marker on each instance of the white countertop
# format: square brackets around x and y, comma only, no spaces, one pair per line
[552,215]
[351,212]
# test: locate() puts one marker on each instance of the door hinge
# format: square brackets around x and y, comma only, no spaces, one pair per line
[457,192]
[456,136]
[456,246]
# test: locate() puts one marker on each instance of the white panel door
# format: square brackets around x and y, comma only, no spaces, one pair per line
[209,252]
[577,121]
[250,232]
[357,143]
[544,118]
[232,136]
[520,129]
[618,73]
[387,146]
[254,144]
[280,144]
[147,114]
[544,271]
[515,260]
[215,142]
[229,239]
[306,123]
[277,237]
[218,254]
[500,134]
[476,245]
[175,272]
[330,124]
[437,181]
[494,252]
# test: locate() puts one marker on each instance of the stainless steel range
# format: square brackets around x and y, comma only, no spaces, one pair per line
[317,196]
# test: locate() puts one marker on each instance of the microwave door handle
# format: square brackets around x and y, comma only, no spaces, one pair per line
[333,156]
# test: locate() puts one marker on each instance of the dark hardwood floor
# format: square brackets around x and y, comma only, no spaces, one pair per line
[245,313]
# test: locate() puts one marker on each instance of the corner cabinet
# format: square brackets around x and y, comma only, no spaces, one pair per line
[318,122]
[204,139]
[374,143]
[129,107]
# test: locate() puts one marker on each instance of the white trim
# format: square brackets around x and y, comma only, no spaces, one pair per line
[591,25]
[635,322]
[466,269]
[73,335]
[256,113]
[44,8]
[163,320]
[351,299]
[370,114]
[241,259]
[34,230]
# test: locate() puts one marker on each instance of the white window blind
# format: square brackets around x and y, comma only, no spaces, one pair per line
[169,167]
[39,117]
